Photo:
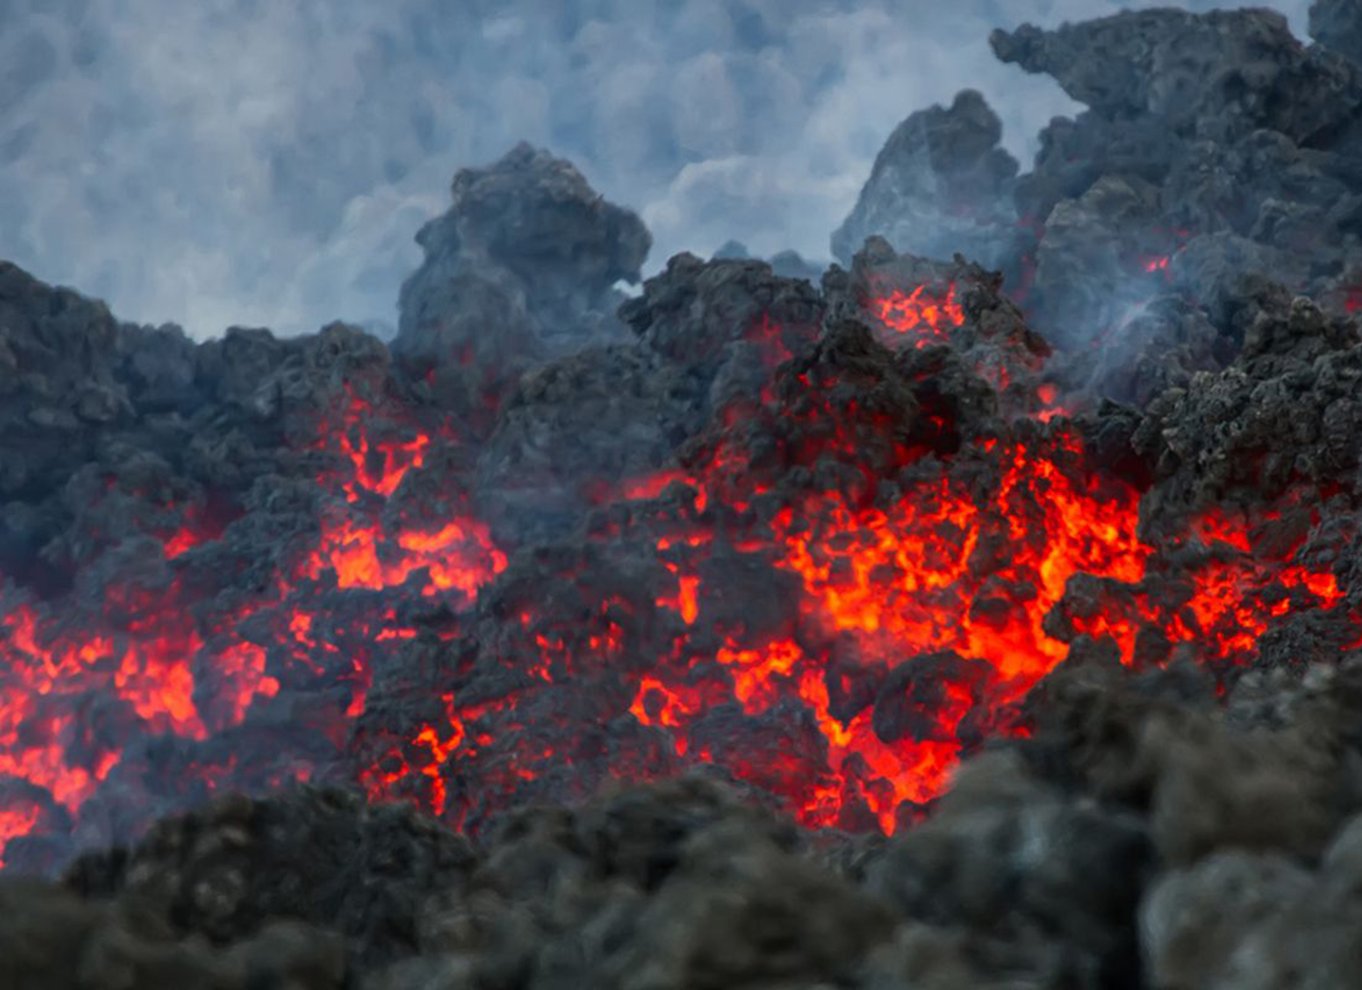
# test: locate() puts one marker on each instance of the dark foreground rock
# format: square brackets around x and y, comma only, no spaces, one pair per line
[1135,840]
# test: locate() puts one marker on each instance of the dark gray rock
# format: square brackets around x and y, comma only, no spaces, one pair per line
[1337,24]
[1217,76]
[521,268]
[940,185]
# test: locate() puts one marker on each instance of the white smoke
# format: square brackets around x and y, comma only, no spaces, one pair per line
[251,162]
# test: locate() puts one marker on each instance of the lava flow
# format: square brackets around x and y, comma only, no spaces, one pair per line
[828,645]
[846,581]
[958,585]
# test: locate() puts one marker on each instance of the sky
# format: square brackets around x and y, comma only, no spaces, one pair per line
[266,163]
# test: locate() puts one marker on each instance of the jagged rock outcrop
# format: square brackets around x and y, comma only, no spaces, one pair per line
[1218,76]
[1215,146]
[940,185]
[520,270]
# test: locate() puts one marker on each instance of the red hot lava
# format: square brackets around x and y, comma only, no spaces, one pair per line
[828,601]
[937,571]
[926,314]
[950,601]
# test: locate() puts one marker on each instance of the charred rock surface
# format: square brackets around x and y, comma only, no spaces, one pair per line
[578,428]
[1214,146]
[1212,142]
[1217,76]
[1284,411]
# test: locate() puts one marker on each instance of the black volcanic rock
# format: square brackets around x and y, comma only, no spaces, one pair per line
[312,856]
[1285,411]
[940,185]
[1059,891]
[53,940]
[1217,76]
[1337,24]
[994,359]
[1215,146]
[693,313]
[520,269]
[613,412]
[587,420]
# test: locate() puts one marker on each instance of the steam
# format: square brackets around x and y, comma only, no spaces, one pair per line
[241,162]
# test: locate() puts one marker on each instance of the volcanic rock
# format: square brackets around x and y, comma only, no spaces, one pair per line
[1022,869]
[521,269]
[693,311]
[940,185]
[1282,924]
[312,856]
[613,412]
[1337,24]
[767,634]
[1042,877]
[1204,76]
[1214,146]
[1283,412]
[51,939]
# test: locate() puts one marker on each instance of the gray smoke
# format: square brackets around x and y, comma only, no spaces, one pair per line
[248,162]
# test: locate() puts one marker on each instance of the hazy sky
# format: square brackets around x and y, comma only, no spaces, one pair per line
[267,162]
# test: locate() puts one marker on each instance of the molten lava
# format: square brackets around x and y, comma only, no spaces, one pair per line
[926,314]
[918,626]
[150,647]
[834,595]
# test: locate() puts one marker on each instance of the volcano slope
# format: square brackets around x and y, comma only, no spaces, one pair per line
[932,626]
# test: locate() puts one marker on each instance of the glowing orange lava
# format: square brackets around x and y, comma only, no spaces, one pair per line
[14,822]
[838,596]
[928,314]
[146,644]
